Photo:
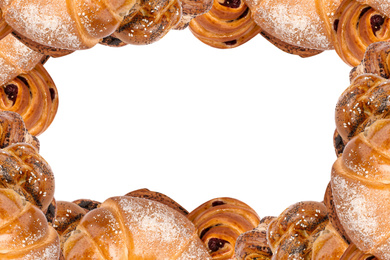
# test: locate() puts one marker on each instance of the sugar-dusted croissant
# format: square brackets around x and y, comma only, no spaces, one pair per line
[126,227]
[159,197]
[16,58]
[65,24]
[228,24]
[220,222]
[360,189]
[306,24]
[357,24]
[362,103]
[294,234]
[253,244]
[24,231]
[25,171]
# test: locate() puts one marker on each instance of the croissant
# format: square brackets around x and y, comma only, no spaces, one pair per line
[16,58]
[357,24]
[306,24]
[24,231]
[65,24]
[359,182]
[253,244]
[302,232]
[159,197]
[127,227]
[228,24]
[220,222]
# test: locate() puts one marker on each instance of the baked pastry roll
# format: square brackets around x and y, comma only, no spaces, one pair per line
[220,222]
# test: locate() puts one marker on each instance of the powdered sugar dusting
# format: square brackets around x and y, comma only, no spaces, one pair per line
[382,6]
[45,22]
[50,252]
[157,229]
[359,211]
[295,23]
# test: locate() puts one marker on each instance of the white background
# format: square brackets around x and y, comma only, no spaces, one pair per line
[195,122]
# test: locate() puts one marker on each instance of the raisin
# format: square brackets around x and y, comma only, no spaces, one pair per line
[11,91]
[215,244]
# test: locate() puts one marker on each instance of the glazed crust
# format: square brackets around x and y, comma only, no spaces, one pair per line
[357,24]
[227,25]
[24,231]
[359,183]
[220,222]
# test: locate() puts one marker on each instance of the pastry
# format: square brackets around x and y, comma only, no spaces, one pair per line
[356,25]
[126,227]
[302,231]
[228,24]
[253,244]
[359,182]
[24,231]
[220,221]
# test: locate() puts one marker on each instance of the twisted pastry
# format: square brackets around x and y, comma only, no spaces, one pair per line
[253,245]
[24,231]
[220,221]
[360,191]
[375,61]
[228,24]
[65,24]
[302,231]
[192,9]
[362,103]
[356,26]
[25,171]
[134,228]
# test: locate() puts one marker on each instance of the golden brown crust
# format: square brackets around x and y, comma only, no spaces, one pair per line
[220,222]
[293,233]
[289,48]
[26,172]
[362,103]
[34,96]
[159,197]
[147,22]
[332,214]
[24,230]
[13,130]
[253,244]
[375,61]
[227,25]
[356,26]
[134,228]
[65,24]
[353,253]
[359,182]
